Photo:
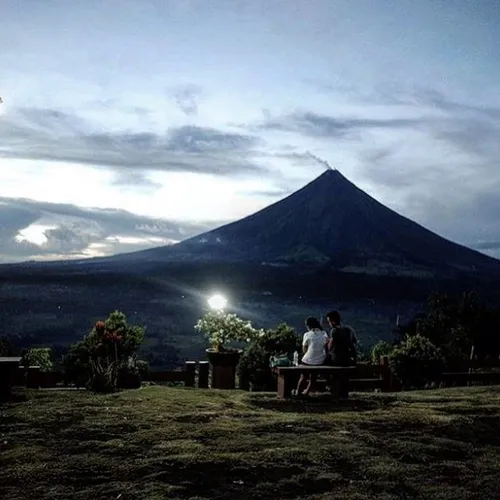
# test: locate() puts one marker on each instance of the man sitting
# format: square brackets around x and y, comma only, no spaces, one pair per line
[341,349]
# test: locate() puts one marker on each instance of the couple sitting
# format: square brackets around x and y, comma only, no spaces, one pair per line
[336,349]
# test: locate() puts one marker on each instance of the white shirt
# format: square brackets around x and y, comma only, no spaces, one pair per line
[315,341]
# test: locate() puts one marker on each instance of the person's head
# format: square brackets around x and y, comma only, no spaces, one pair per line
[313,323]
[333,318]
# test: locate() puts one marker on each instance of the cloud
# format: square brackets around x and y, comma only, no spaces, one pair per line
[317,125]
[471,127]
[431,98]
[276,192]
[135,179]
[51,135]
[187,97]
[39,230]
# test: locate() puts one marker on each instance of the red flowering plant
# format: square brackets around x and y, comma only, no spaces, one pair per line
[109,348]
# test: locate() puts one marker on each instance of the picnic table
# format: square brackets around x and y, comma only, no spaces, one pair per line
[8,370]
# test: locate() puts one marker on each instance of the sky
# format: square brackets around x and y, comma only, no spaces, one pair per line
[130,124]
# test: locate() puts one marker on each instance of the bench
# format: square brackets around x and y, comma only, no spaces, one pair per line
[288,376]
[8,372]
[362,377]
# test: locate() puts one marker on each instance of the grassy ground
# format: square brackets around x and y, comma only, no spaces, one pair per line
[158,443]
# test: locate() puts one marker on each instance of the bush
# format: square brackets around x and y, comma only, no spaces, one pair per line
[381,348]
[76,365]
[416,361]
[363,355]
[107,353]
[222,328]
[39,356]
[132,373]
[143,367]
[253,367]
[5,347]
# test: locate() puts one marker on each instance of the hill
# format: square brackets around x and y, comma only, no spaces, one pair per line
[329,223]
[158,443]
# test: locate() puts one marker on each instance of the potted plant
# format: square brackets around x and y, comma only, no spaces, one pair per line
[222,330]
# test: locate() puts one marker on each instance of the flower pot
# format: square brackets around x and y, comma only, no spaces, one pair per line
[223,368]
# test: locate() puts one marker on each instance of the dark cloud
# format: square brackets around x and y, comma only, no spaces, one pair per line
[44,134]
[431,98]
[277,192]
[323,126]
[187,97]
[474,128]
[72,231]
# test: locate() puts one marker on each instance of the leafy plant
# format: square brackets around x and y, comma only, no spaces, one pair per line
[76,363]
[5,347]
[109,349]
[253,367]
[455,324]
[142,367]
[381,348]
[39,356]
[131,373]
[363,354]
[416,361]
[221,329]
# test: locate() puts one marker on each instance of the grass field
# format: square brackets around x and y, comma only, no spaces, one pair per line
[166,443]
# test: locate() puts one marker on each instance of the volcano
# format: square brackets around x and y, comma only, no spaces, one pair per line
[329,222]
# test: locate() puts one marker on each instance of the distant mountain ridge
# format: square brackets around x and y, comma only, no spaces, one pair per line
[329,222]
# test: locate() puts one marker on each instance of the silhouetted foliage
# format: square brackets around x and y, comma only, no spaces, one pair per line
[381,348]
[106,358]
[455,324]
[161,354]
[5,347]
[254,363]
[39,356]
[416,361]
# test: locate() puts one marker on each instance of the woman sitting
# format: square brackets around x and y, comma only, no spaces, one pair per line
[313,346]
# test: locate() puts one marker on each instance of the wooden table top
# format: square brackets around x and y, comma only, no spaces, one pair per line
[315,368]
[10,359]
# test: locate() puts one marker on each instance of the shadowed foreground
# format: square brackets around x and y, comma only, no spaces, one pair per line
[159,443]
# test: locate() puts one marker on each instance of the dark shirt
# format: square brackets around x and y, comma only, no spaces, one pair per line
[343,350]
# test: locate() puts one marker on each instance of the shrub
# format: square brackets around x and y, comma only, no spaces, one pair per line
[143,367]
[381,348]
[39,356]
[363,355]
[253,367]
[132,373]
[108,351]
[77,365]
[221,328]
[416,361]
